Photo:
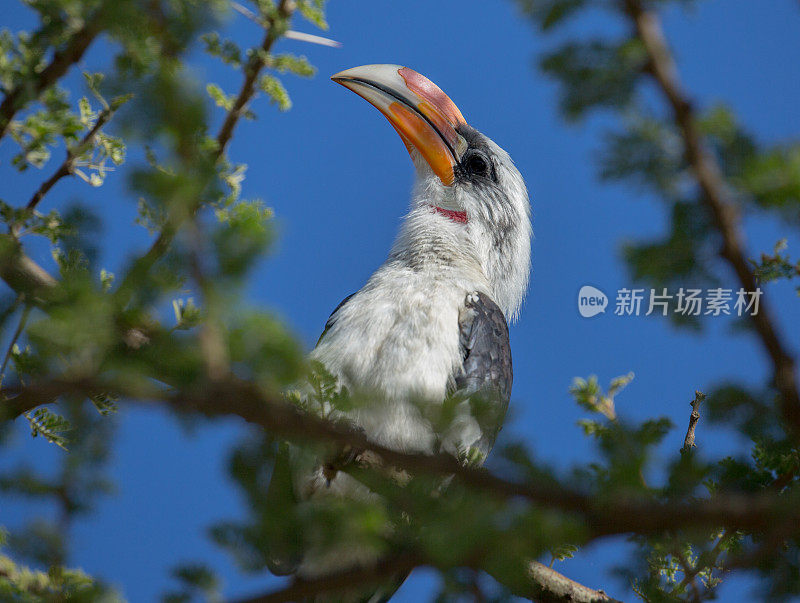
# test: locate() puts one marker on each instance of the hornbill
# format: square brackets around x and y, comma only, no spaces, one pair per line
[431,322]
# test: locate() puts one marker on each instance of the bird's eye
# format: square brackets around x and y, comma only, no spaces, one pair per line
[477,164]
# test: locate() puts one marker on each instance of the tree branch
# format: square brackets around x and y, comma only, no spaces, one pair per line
[603,516]
[351,579]
[27,278]
[21,273]
[551,587]
[717,197]
[548,585]
[65,169]
[689,575]
[62,60]
[253,68]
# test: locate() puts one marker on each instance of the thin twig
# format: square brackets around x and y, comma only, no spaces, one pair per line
[65,169]
[246,12]
[688,442]
[251,71]
[300,36]
[62,60]
[689,575]
[289,35]
[20,327]
[717,197]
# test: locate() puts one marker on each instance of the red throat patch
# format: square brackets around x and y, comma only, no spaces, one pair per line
[455,216]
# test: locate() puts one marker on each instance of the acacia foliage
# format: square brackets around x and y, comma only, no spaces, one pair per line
[173,327]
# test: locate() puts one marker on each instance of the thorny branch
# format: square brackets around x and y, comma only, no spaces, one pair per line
[289,34]
[767,513]
[717,197]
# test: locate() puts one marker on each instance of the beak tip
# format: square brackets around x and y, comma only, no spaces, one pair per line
[338,79]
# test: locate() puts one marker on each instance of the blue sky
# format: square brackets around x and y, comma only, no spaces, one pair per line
[339,178]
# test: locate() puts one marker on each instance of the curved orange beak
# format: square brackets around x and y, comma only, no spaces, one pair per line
[423,115]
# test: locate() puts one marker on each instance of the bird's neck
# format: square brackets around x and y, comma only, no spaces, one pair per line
[431,241]
[506,261]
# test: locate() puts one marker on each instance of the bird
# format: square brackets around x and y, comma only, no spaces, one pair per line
[432,321]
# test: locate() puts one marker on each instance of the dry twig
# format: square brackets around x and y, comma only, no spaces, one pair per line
[688,442]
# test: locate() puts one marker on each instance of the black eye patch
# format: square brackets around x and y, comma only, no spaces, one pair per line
[477,165]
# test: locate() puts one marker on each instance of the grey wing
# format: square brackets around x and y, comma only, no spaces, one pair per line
[486,370]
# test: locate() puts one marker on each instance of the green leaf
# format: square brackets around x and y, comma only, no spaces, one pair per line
[289,63]
[313,11]
[187,315]
[589,395]
[226,50]
[273,88]
[219,97]
[49,425]
[596,74]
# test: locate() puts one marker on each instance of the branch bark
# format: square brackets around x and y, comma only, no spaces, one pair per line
[551,587]
[717,197]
